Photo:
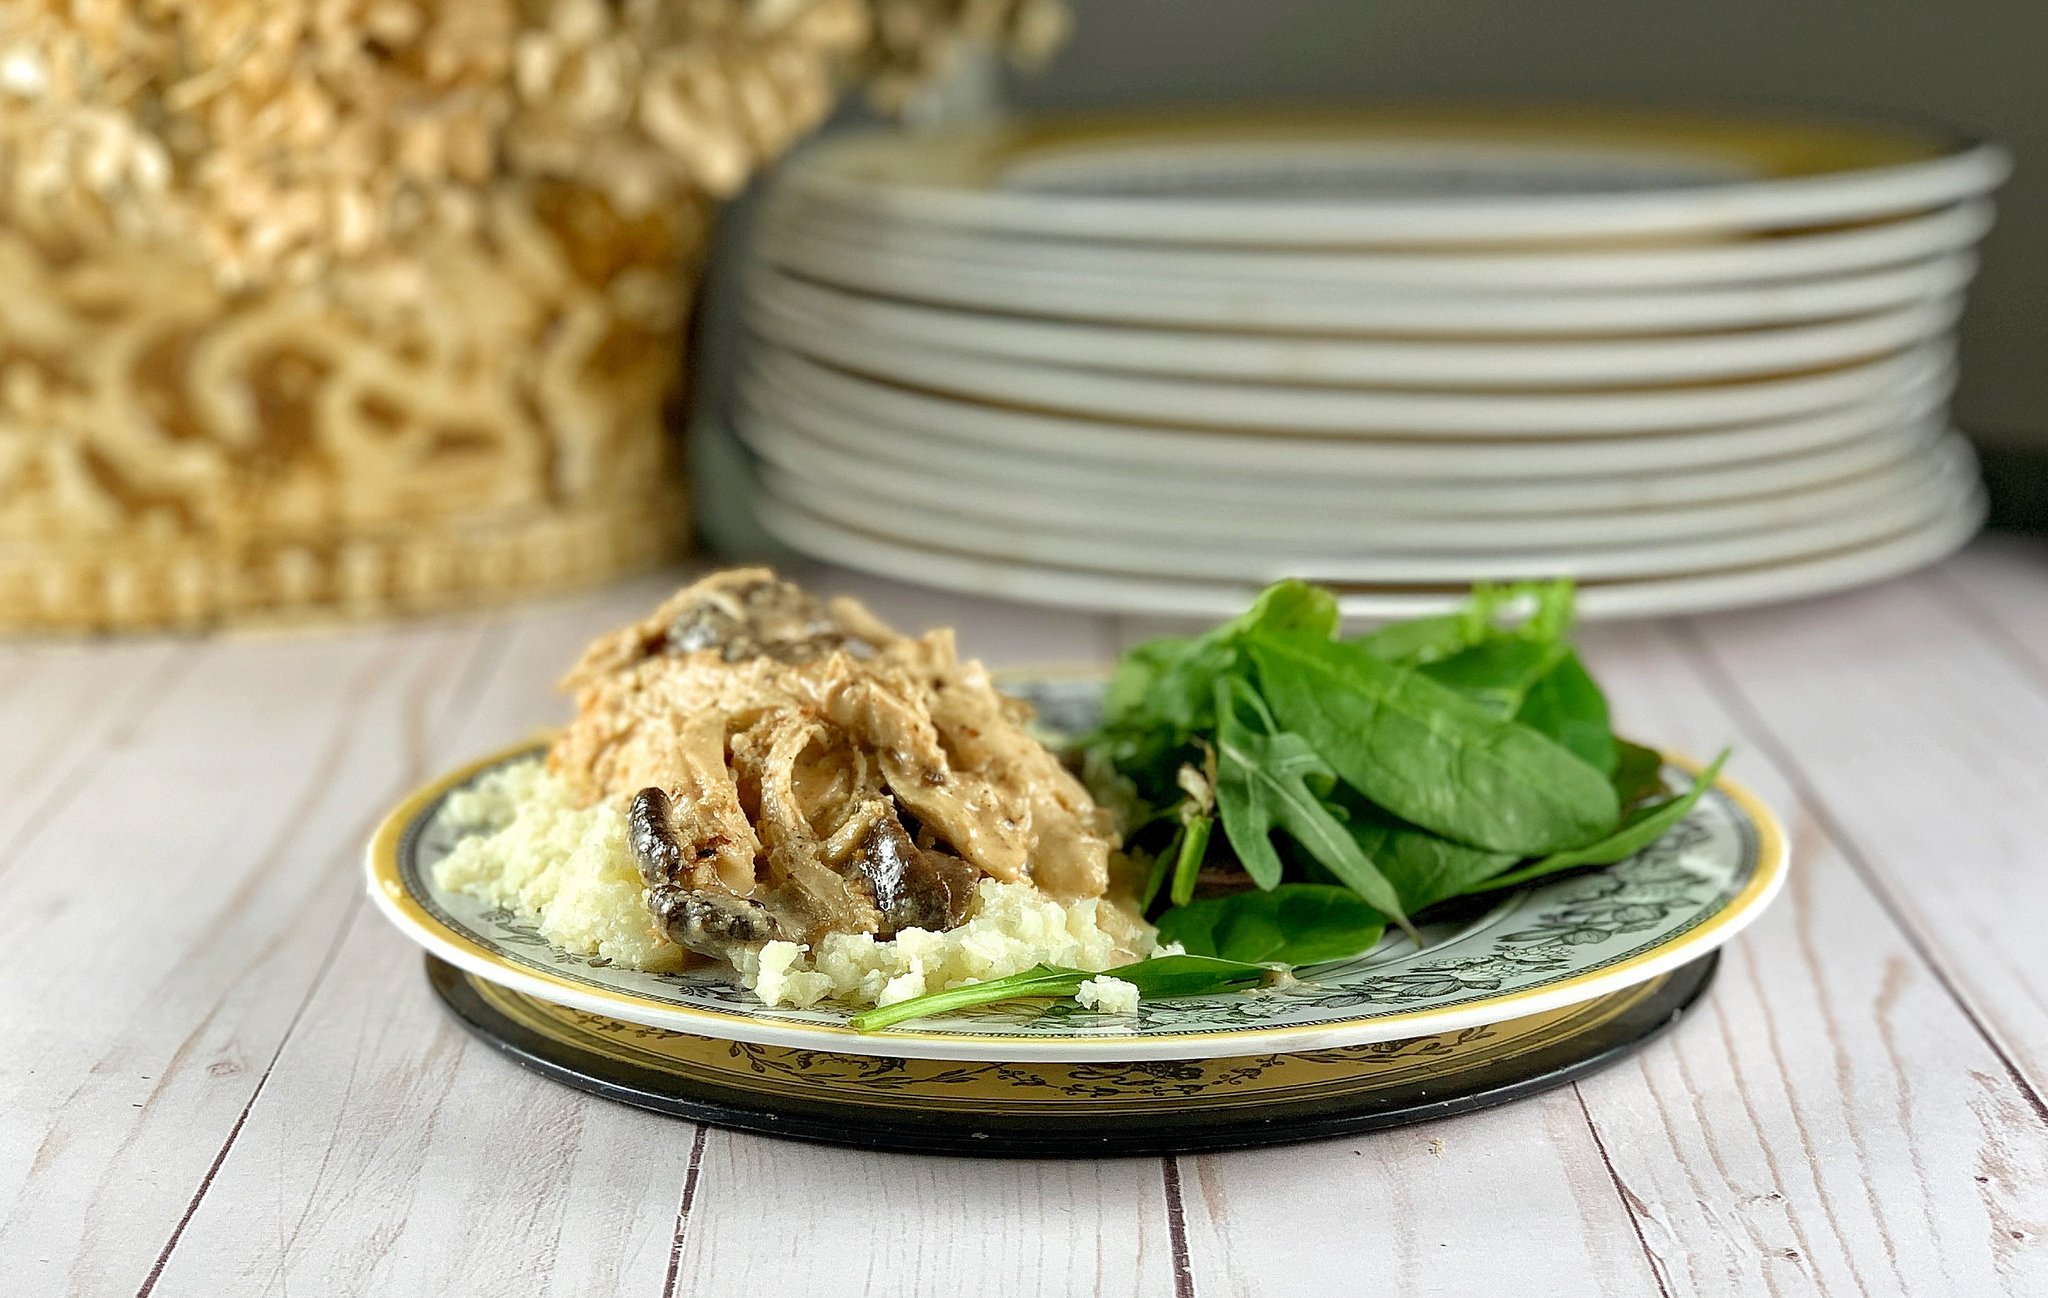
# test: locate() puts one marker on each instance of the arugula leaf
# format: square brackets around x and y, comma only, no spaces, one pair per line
[1555,606]
[1170,975]
[1568,706]
[1295,924]
[1643,827]
[1638,772]
[1267,778]
[1167,682]
[1161,869]
[1427,755]
[1194,842]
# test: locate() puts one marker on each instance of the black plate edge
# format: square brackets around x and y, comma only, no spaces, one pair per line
[930,1133]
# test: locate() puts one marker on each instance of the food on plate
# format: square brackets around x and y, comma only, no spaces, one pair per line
[836,811]
[831,808]
[1357,782]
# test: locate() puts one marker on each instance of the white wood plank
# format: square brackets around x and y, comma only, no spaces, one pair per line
[160,931]
[1832,1122]
[2001,584]
[776,1217]
[390,1153]
[1925,743]
[393,1154]
[1514,1200]
[60,705]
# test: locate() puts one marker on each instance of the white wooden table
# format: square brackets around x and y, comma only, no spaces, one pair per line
[221,1073]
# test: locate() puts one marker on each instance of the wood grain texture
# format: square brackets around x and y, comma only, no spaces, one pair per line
[1517,1196]
[390,1153]
[211,1040]
[61,705]
[1831,1121]
[775,1216]
[1923,741]
[160,929]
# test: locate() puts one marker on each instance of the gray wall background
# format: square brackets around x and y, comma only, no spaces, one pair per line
[1981,65]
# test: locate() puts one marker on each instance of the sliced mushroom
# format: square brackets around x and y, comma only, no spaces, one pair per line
[911,887]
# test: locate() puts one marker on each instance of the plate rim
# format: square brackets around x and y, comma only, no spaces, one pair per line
[783,451]
[952,179]
[824,404]
[790,308]
[1265,308]
[1767,583]
[387,889]
[1950,474]
[1460,412]
[1746,262]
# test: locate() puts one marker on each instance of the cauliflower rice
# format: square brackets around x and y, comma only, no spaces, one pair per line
[570,872]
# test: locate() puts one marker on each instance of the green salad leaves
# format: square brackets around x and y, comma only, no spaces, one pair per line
[1427,760]
[1355,782]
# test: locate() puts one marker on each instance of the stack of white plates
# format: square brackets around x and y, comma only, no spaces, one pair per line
[1150,365]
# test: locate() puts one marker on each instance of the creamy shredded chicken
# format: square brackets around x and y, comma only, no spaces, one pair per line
[791,769]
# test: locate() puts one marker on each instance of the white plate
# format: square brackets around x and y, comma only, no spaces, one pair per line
[809,317]
[1394,176]
[998,284]
[840,239]
[1261,523]
[819,398]
[934,461]
[1361,411]
[1197,557]
[1115,593]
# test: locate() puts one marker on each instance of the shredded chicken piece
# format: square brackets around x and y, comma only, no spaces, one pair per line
[793,769]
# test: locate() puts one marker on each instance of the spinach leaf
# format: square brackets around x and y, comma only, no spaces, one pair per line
[1499,672]
[1643,827]
[1171,975]
[1170,682]
[1288,605]
[1267,778]
[1565,704]
[1638,772]
[1424,868]
[1423,640]
[1295,924]
[1418,749]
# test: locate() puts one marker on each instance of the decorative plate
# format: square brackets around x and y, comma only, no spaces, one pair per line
[1557,943]
[1041,1110]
